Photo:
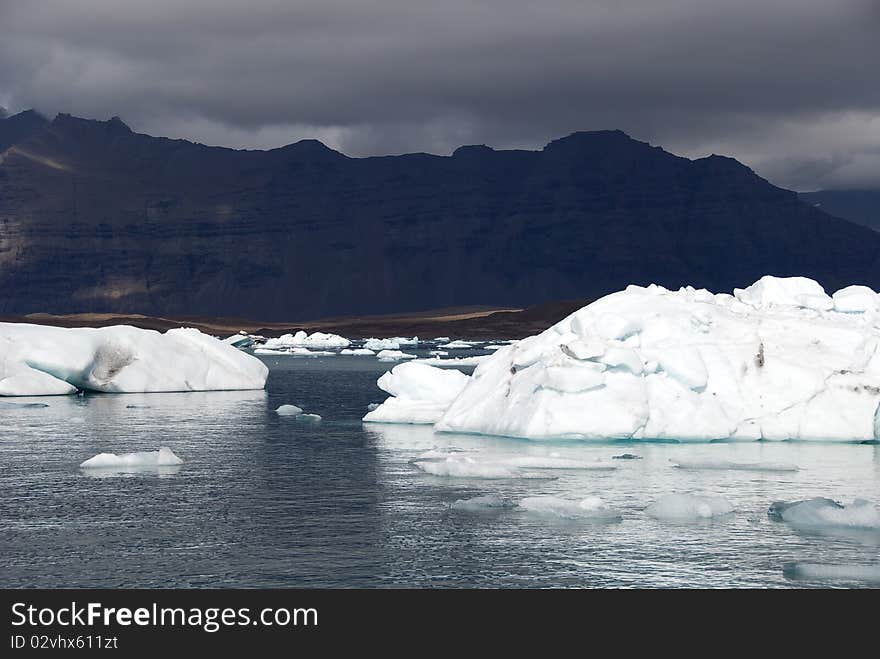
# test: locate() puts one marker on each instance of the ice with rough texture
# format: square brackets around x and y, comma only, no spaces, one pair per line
[482,504]
[393,343]
[775,361]
[301,339]
[164,457]
[393,355]
[689,507]
[591,508]
[288,410]
[357,351]
[455,361]
[419,393]
[295,352]
[821,513]
[465,466]
[826,572]
[39,361]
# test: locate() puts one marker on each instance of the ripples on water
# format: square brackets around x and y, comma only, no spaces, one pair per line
[265,501]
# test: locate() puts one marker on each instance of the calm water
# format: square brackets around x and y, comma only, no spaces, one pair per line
[267,501]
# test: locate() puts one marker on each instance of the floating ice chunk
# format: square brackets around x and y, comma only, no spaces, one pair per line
[592,508]
[303,340]
[420,393]
[555,462]
[441,339]
[41,360]
[482,504]
[11,406]
[357,351]
[820,513]
[164,457]
[689,507]
[785,291]
[393,355]
[381,344]
[626,456]
[438,353]
[241,340]
[836,572]
[725,465]
[288,410]
[307,418]
[464,466]
[457,345]
[493,348]
[856,299]
[407,341]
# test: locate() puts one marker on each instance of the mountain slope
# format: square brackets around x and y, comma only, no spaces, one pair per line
[859,206]
[94,217]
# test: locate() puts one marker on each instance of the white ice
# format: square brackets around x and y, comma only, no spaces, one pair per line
[393,343]
[821,513]
[485,503]
[393,355]
[457,345]
[592,508]
[357,351]
[301,339]
[778,360]
[454,361]
[689,507]
[288,410]
[37,360]
[295,352]
[419,393]
[164,457]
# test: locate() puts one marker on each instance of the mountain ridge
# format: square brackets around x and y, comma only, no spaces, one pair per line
[97,218]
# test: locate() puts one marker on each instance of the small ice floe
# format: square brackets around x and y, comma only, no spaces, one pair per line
[438,353]
[825,514]
[393,343]
[164,457]
[836,572]
[556,462]
[457,345]
[303,340]
[489,503]
[295,352]
[441,339]
[307,418]
[15,406]
[419,393]
[288,410]
[357,351]
[591,508]
[689,507]
[724,465]
[464,466]
[493,348]
[626,456]
[393,355]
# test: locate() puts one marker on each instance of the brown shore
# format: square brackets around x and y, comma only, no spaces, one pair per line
[456,322]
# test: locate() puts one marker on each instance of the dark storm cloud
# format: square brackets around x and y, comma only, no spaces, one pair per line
[788,86]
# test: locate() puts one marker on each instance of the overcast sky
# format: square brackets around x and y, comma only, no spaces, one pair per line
[790,87]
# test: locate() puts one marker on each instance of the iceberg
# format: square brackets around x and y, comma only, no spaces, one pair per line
[393,355]
[591,508]
[778,360]
[457,345]
[357,351]
[164,457]
[41,361]
[689,507]
[304,340]
[823,514]
[393,343]
[288,410]
[419,393]
[482,504]
[295,352]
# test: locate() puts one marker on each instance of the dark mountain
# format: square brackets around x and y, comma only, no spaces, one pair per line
[859,206]
[19,127]
[94,217]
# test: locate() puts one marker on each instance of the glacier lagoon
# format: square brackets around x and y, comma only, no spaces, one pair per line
[262,500]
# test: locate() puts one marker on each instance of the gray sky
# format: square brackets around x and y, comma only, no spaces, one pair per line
[790,87]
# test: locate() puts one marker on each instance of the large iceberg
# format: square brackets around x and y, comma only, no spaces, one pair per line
[778,360]
[419,393]
[36,360]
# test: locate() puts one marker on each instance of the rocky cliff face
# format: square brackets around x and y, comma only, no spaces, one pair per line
[94,217]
